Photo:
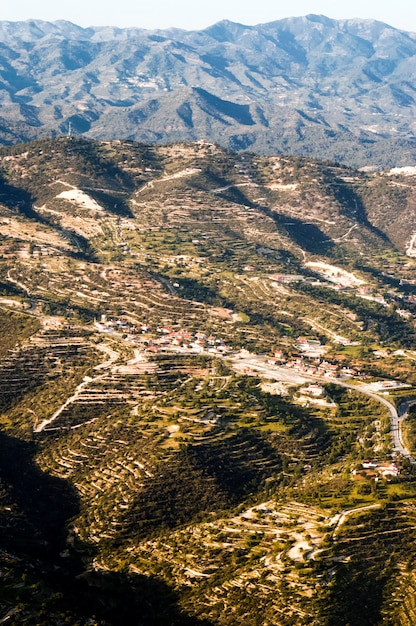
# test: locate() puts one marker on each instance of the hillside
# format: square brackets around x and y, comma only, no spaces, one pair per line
[201,350]
[312,86]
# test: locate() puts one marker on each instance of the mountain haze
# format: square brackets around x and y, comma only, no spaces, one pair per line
[340,90]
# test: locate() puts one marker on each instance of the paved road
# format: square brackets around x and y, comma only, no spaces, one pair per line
[398,445]
[259,364]
[397,416]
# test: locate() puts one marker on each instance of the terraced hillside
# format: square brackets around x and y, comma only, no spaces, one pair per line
[195,349]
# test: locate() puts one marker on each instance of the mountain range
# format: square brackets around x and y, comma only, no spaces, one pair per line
[341,90]
[205,334]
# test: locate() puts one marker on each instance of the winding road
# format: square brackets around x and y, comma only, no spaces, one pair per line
[259,365]
[396,415]
[250,363]
[398,445]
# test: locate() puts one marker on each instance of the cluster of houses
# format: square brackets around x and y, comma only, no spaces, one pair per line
[162,339]
[166,339]
[310,347]
[387,385]
[376,469]
[314,366]
[315,395]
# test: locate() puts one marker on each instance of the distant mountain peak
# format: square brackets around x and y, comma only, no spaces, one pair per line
[351,79]
[226,30]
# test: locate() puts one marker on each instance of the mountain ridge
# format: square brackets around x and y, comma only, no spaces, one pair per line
[311,86]
[377,206]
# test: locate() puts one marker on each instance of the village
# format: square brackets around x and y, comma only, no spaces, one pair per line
[306,370]
[306,357]
[148,340]
[163,339]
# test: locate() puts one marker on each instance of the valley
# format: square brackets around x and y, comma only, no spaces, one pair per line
[206,357]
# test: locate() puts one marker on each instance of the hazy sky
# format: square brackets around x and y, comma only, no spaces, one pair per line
[191,14]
